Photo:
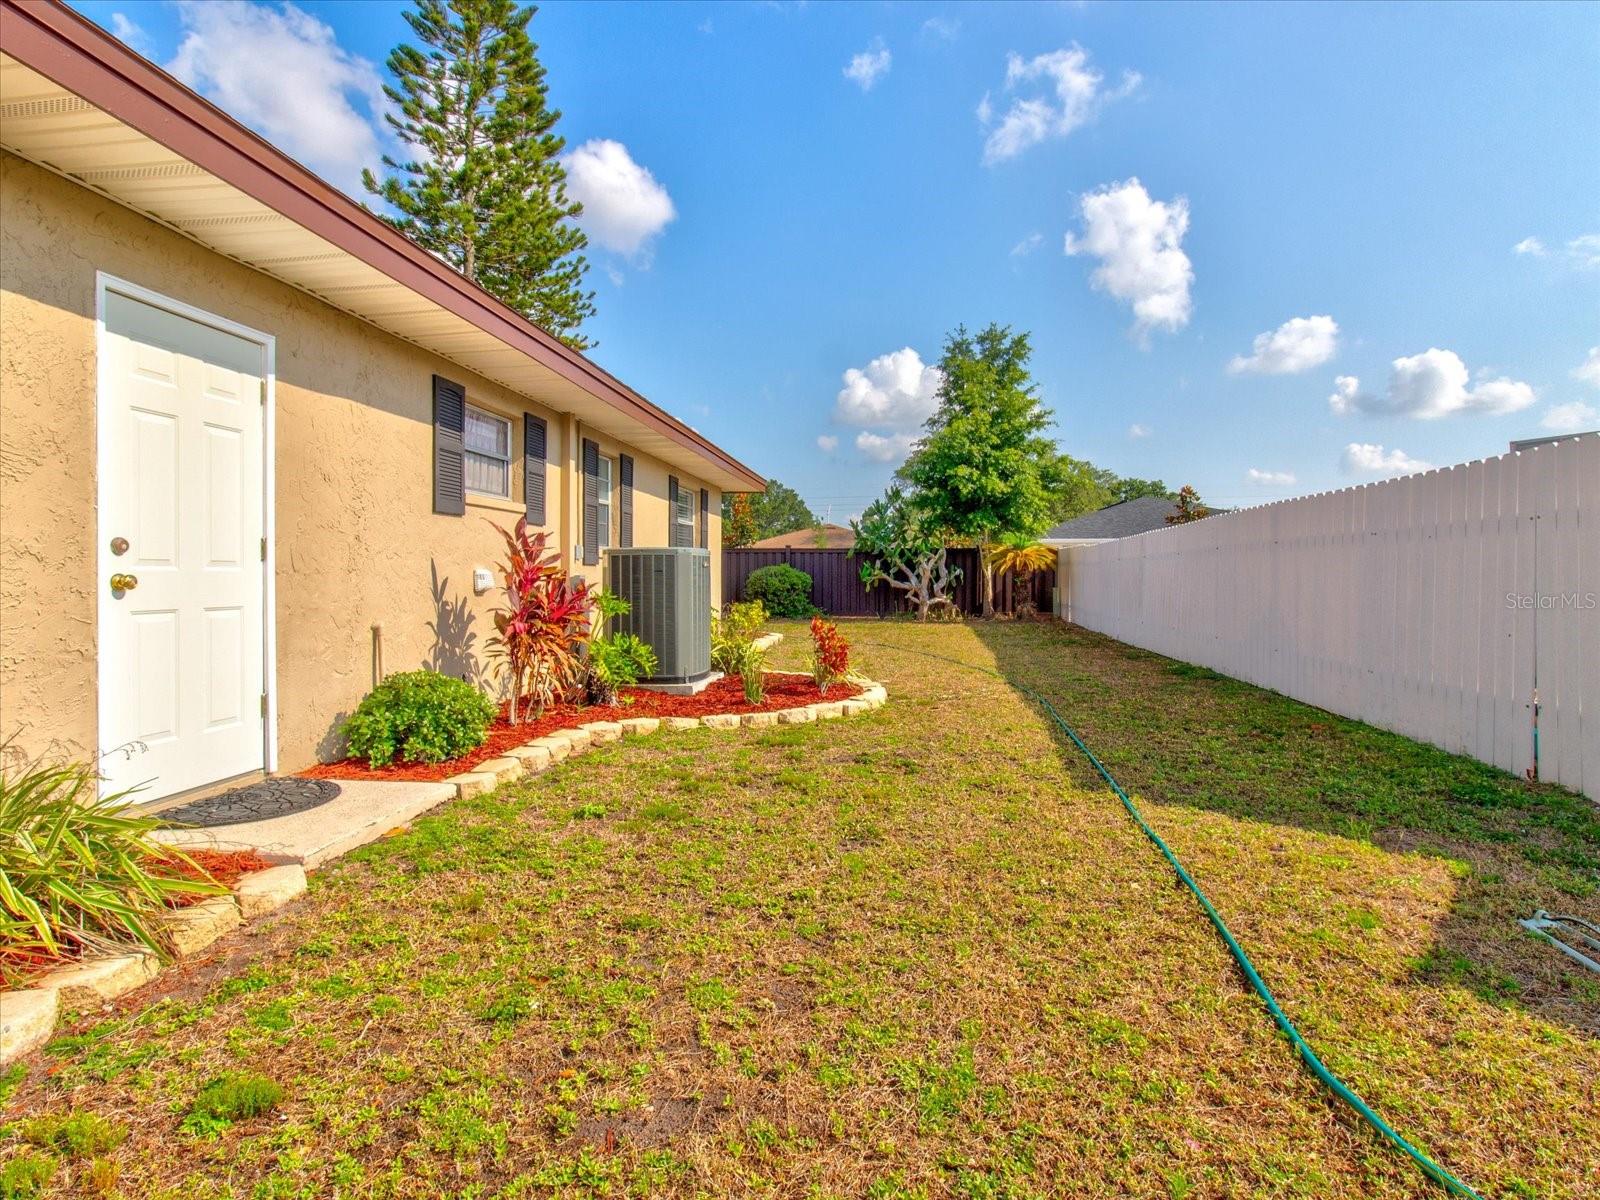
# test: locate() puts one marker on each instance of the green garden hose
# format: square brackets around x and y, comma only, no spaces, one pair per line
[1307,1055]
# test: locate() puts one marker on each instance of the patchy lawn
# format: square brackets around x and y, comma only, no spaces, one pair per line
[919,953]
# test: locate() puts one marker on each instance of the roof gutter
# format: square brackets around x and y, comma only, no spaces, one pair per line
[72,51]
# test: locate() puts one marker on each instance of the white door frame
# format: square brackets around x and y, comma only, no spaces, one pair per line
[105,284]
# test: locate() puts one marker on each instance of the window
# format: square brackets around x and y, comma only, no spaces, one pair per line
[684,516]
[602,504]
[488,454]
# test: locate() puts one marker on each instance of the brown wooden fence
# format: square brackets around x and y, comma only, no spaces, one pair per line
[836,586]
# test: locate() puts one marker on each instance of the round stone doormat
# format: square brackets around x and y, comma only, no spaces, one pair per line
[257,802]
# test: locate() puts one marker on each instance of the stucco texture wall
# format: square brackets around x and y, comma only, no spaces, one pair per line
[357,543]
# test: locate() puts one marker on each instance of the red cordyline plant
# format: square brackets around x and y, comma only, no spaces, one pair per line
[830,654]
[544,621]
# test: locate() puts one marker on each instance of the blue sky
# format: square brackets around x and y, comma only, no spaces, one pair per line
[1311,245]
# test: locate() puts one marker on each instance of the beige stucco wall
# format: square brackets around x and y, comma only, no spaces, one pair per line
[357,542]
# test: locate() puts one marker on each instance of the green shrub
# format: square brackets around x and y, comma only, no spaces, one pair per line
[78,869]
[785,591]
[616,661]
[419,716]
[235,1096]
[75,1135]
[26,1176]
[732,630]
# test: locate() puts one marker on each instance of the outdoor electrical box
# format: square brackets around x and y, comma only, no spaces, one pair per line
[669,590]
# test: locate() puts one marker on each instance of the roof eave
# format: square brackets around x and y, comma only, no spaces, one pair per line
[78,55]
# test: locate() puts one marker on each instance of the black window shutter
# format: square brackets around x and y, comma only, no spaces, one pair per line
[449,452]
[625,500]
[705,519]
[591,502]
[534,440]
[672,511]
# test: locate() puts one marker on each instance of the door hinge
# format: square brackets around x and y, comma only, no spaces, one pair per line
[263,549]
[263,391]
[263,704]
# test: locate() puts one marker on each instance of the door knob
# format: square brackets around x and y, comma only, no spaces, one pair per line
[124,583]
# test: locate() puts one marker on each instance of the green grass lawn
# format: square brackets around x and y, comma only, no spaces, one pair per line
[918,953]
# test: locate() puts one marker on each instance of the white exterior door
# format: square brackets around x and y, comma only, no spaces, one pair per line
[181,528]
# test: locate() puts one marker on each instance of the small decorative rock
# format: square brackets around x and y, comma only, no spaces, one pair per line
[261,892]
[637,726]
[721,721]
[827,712]
[473,783]
[99,979]
[27,1019]
[579,739]
[855,707]
[759,720]
[681,722]
[603,731]
[795,716]
[533,757]
[194,928]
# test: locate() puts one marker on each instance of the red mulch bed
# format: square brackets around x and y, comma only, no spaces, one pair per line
[224,867]
[724,696]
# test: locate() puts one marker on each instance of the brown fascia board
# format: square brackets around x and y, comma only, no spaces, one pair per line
[68,48]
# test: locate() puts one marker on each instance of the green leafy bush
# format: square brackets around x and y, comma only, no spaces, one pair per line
[235,1096]
[616,660]
[733,629]
[79,870]
[785,591]
[419,716]
[76,1135]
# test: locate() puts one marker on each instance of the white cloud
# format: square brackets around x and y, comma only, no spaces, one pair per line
[1027,245]
[1529,245]
[1297,345]
[866,68]
[1368,458]
[1584,251]
[1139,242]
[896,390]
[882,449]
[1588,371]
[129,33]
[1576,417]
[1078,96]
[1137,430]
[827,443]
[1430,385]
[623,205]
[1346,396]
[944,29]
[1269,478]
[282,72]
[985,110]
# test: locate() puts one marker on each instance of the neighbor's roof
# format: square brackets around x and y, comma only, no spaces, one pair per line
[1125,519]
[834,537]
[76,101]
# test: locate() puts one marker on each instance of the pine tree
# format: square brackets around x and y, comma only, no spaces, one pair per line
[486,191]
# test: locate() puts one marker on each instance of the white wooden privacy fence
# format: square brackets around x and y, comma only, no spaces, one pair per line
[1460,607]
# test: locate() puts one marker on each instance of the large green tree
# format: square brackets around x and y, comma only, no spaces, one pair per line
[485,189]
[984,469]
[777,510]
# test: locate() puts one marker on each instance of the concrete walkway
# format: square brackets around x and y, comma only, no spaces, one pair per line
[362,812]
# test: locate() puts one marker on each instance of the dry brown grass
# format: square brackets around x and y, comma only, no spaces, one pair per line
[915,954]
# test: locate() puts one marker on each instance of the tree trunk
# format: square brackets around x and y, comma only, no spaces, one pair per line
[988,577]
